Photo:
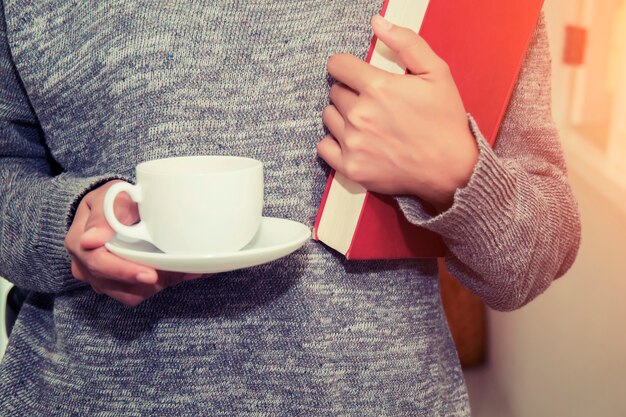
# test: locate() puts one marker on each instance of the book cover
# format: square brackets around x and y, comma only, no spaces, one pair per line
[483,43]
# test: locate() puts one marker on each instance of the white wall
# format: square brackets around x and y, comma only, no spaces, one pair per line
[617,134]
[565,353]
[592,99]
[559,13]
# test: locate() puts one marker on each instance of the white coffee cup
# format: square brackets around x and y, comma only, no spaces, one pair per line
[194,204]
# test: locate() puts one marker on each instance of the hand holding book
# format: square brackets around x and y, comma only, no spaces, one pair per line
[399,134]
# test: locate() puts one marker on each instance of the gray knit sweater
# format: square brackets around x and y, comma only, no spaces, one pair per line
[89,89]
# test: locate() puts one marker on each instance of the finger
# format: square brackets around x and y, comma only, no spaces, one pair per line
[129,295]
[97,229]
[72,238]
[343,98]
[125,211]
[170,278]
[412,49]
[352,71]
[95,237]
[128,299]
[190,277]
[104,265]
[330,151]
[81,216]
[134,294]
[78,271]
[334,122]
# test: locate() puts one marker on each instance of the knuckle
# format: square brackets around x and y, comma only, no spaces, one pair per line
[377,87]
[84,203]
[337,58]
[76,273]
[71,240]
[357,116]
[130,300]
[321,146]
[334,93]
[442,66]
[94,263]
[67,242]
[91,222]
[334,88]
[327,112]
[331,61]
[353,170]
[91,264]
[353,142]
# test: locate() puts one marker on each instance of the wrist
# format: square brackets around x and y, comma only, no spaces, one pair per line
[453,173]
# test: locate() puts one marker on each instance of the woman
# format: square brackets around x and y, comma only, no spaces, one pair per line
[91,90]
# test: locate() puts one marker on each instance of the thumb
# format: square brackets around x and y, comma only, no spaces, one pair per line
[413,50]
[95,237]
[97,229]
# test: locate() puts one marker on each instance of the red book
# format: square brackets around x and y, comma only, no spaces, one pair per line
[484,43]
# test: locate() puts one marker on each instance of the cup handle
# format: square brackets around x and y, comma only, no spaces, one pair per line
[132,233]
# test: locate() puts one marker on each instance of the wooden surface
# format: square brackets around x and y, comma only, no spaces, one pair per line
[466,318]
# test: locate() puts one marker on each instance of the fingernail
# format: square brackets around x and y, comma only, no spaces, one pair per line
[382,23]
[145,277]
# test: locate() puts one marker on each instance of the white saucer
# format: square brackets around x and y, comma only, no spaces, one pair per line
[275,239]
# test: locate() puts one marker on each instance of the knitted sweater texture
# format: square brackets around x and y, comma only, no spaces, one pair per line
[89,89]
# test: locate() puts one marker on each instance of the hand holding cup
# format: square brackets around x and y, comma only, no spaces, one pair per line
[127,282]
[186,205]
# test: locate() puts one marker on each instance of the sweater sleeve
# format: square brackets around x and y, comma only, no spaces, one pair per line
[37,198]
[515,227]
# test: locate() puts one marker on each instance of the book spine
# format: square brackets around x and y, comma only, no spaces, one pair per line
[331,176]
[320,211]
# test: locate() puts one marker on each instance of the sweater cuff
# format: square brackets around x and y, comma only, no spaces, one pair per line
[471,216]
[52,258]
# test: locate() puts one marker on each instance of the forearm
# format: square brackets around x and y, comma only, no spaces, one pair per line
[515,227]
[511,231]
[35,211]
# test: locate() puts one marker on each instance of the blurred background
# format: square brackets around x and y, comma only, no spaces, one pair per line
[564,355]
